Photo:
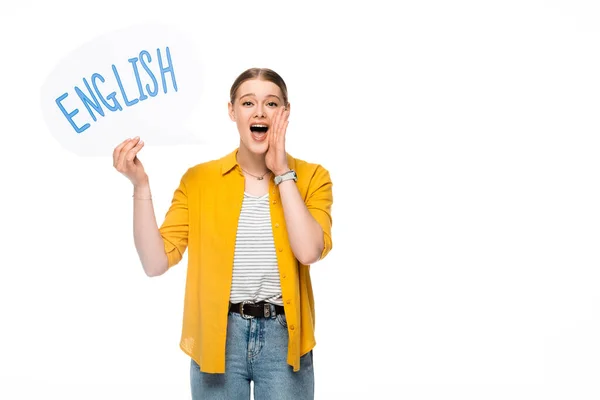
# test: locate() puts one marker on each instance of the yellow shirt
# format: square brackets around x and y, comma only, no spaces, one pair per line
[203,218]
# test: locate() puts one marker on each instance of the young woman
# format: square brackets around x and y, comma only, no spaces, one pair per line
[252,222]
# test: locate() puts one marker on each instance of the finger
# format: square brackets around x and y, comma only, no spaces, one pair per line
[132,143]
[271,136]
[284,124]
[281,118]
[131,154]
[117,151]
[284,131]
[280,128]
[284,117]
[277,122]
[274,128]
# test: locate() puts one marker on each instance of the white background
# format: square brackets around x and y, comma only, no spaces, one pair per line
[462,140]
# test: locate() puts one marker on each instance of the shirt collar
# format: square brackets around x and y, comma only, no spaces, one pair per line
[229,162]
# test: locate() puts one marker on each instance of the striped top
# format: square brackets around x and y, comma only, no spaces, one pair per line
[255,269]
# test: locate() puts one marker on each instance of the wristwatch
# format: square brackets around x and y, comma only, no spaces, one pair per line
[291,174]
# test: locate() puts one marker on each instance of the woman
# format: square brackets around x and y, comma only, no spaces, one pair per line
[253,222]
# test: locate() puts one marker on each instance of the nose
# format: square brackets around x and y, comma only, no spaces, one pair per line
[259,112]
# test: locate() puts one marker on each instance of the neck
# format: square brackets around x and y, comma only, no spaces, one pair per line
[253,163]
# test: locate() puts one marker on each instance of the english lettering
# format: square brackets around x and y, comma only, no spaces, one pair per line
[96,103]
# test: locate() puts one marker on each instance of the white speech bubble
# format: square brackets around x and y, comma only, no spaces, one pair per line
[140,81]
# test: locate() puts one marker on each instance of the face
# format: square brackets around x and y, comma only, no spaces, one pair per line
[253,111]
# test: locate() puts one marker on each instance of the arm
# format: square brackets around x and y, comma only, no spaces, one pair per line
[147,238]
[160,248]
[308,224]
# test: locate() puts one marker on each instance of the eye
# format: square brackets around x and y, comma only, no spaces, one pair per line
[272,104]
[247,103]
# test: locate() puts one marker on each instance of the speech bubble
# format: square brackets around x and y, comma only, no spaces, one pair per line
[141,81]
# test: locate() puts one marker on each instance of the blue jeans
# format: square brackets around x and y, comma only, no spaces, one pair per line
[256,351]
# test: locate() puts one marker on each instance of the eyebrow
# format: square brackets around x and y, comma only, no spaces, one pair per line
[252,94]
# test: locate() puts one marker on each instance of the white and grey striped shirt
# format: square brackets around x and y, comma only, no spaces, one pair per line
[255,270]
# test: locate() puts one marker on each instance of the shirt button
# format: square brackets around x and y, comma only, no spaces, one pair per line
[274,201]
[288,302]
[277,225]
[292,327]
[280,249]
[284,275]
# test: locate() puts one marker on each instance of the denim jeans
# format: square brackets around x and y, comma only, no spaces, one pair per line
[256,351]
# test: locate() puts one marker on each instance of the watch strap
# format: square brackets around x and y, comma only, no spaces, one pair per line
[291,174]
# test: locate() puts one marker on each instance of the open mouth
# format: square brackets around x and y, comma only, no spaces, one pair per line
[259,128]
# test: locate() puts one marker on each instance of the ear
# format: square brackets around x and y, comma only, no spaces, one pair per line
[288,106]
[231,111]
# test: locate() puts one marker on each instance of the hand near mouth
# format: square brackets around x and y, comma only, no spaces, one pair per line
[276,157]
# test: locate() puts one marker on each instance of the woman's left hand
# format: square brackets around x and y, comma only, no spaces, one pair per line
[276,157]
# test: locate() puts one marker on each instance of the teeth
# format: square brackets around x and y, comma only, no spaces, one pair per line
[259,126]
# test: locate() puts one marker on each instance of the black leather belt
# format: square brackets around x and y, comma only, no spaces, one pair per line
[248,309]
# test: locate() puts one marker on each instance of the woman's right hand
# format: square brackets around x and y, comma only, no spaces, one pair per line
[125,160]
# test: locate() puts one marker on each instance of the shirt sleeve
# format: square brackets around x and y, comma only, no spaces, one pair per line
[319,202]
[174,230]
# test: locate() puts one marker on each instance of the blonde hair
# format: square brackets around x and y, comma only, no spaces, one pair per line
[259,73]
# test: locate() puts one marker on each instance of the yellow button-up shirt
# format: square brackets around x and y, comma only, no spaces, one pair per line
[203,218]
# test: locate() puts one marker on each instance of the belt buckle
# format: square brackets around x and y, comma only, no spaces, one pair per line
[242,309]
